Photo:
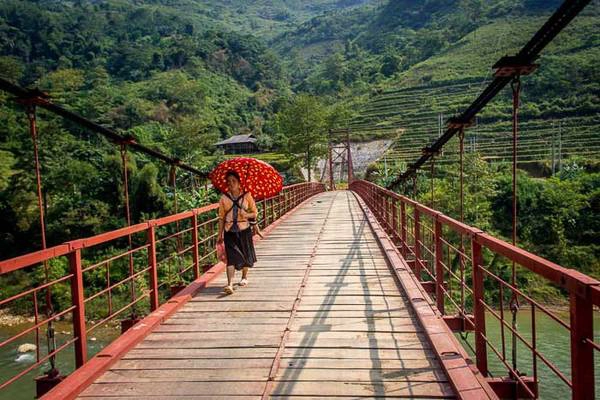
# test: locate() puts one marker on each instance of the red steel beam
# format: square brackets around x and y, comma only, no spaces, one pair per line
[507,388]
[77,297]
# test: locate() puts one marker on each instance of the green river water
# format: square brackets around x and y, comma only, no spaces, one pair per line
[553,342]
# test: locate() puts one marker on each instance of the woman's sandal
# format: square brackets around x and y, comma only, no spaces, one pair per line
[244,282]
[228,289]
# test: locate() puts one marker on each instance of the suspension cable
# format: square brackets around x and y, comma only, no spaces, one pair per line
[461,137]
[178,238]
[128,218]
[414,186]
[528,53]
[514,301]
[50,336]
[432,181]
[461,259]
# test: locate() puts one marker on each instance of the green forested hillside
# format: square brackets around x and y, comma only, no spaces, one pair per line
[265,18]
[448,82]
[148,70]
[351,48]
[181,74]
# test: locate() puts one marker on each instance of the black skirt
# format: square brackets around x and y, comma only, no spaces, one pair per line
[240,248]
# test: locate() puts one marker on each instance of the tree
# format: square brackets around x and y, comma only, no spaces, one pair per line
[301,124]
[391,62]
[339,115]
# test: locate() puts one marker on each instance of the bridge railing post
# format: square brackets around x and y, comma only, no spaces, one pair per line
[582,354]
[154,302]
[375,202]
[417,251]
[265,212]
[403,228]
[389,217]
[395,220]
[386,203]
[479,308]
[381,206]
[195,256]
[77,297]
[439,270]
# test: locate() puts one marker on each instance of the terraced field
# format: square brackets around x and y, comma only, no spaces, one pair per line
[416,117]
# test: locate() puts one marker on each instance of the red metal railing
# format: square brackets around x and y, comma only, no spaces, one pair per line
[169,250]
[461,266]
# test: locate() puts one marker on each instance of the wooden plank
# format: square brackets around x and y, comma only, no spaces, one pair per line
[334,299]
[226,315]
[365,285]
[342,355]
[189,354]
[360,309]
[181,389]
[396,325]
[242,320]
[185,375]
[166,397]
[237,306]
[349,343]
[342,274]
[232,336]
[335,313]
[353,291]
[371,375]
[359,364]
[352,279]
[208,363]
[209,343]
[398,389]
[387,396]
[243,296]
[201,329]
[375,336]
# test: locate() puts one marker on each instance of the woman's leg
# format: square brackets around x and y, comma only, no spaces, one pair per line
[230,275]
[244,280]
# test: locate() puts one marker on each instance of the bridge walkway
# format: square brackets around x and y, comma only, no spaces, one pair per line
[323,316]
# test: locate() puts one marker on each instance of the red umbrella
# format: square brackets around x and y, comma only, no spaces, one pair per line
[256,176]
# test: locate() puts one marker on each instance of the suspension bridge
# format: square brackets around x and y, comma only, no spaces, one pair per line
[357,293]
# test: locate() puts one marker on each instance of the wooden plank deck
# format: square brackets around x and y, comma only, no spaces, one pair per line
[322,316]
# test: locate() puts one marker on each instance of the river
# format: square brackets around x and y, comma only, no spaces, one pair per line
[11,362]
[552,341]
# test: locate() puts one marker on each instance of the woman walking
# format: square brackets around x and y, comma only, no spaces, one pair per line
[236,211]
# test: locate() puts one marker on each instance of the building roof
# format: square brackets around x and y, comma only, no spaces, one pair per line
[249,138]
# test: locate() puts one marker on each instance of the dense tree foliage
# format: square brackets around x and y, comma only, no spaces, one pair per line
[557,219]
[179,76]
[301,124]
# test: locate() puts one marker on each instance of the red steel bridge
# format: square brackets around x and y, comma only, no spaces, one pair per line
[358,293]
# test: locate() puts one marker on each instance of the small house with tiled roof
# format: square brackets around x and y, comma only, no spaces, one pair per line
[239,144]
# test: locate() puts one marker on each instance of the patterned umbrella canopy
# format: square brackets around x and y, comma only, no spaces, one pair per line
[256,176]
